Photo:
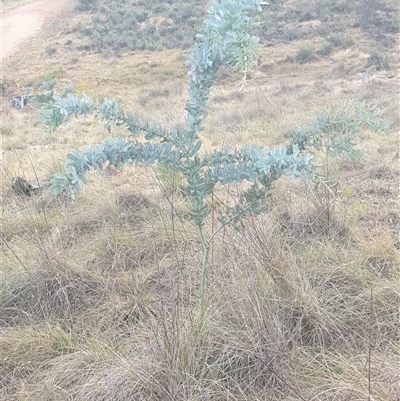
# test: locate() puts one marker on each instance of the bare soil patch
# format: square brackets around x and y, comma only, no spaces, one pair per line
[21,23]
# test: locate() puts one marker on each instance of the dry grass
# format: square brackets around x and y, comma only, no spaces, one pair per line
[9,4]
[99,297]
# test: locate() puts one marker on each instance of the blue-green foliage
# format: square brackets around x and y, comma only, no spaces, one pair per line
[50,112]
[334,132]
[226,41]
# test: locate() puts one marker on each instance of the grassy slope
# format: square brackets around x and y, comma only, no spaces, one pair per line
[98,296]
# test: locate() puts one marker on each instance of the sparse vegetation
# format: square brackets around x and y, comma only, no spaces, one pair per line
[335,42]
[87,5]
[305,54]
[138,25]
[7,131]
[379,60]
[99,297]
[9,4]
[50,50]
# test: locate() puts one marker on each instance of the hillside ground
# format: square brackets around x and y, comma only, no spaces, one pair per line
[99,296]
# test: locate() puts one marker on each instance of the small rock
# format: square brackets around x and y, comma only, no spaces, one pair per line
[20,186]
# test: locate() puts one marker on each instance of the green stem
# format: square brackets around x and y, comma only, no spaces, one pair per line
[204,266]
[203,276]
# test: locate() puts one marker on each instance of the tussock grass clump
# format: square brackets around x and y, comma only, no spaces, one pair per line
[305,54]
[25,351]
[52,291]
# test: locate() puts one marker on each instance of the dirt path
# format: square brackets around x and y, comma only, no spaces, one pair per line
[23,22]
